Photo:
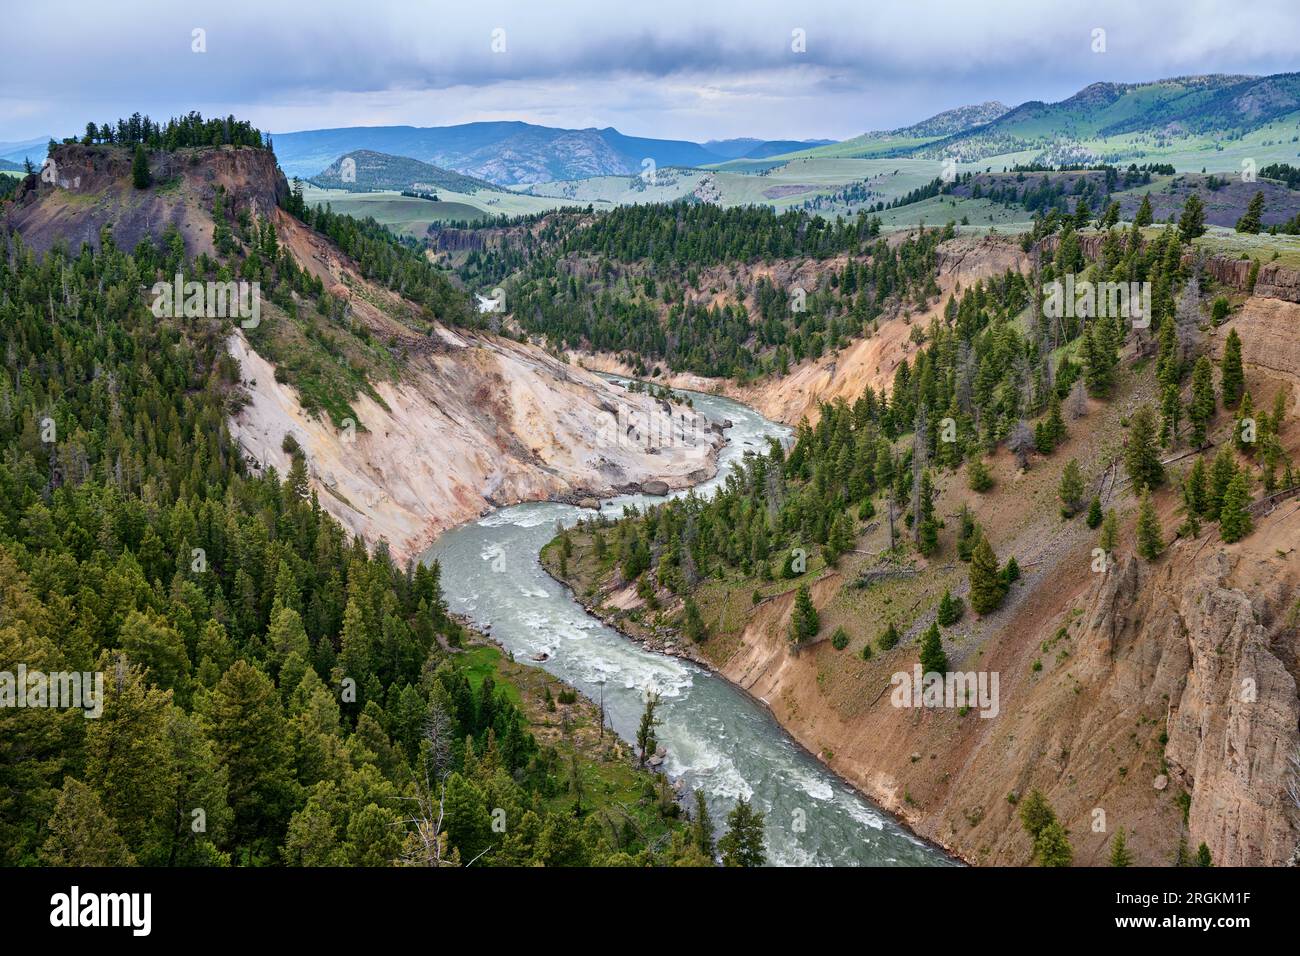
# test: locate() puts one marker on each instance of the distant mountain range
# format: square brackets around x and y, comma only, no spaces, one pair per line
[749,148]
[515,153]
[1218,105]
[16,151]
[1104,121]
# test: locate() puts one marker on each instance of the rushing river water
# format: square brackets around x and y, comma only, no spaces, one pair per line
[717,738]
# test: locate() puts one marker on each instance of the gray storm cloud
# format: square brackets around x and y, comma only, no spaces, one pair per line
[670,68]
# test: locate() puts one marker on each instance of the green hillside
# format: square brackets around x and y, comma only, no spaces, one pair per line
[370,171]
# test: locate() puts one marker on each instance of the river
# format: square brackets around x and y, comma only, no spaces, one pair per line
[717,738]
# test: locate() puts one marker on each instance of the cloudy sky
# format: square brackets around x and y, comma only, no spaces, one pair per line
[689,69]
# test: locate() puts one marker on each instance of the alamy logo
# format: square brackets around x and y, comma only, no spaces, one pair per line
[57,690]
[74,908]
[1087,300]
[977,689]
[208,300]
[632,427]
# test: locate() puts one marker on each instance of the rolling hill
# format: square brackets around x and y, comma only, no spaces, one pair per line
[381,171]
[898,142]
[512,153]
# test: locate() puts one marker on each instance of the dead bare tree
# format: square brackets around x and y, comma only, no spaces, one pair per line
[426,843]
[1021,442]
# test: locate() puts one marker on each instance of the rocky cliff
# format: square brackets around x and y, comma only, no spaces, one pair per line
[1158,697]
[454,421]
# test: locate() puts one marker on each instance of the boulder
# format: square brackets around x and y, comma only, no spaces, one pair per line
[654,487]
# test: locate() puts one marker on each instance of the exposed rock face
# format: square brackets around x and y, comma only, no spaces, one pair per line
[1182,671]
[1234,727]
[471,420]
[1270,337]
[1274,281]
[1278,282]
[1186,635]
[486,422]
[93,189]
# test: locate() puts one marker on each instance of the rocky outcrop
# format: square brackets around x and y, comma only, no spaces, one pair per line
[454,422]
[91,189]
[1270,338]
[1274,280]
[485,422]
[1233,728]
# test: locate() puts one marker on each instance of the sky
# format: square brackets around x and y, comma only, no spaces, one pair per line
[675,69]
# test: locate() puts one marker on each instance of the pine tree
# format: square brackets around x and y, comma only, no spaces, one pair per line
[977,475]
[693,623]
[1234,379]
[1149,541]
[1098,361]
[140,175]
[466,818]
[889,638]
[1144,216]
[645,731]
[933,659]
[840,639]
[1051,431]
[1119,851]
[81,833]
[1234,517]
[1035,813]
[1203,857]
[1071,489]
[986,586]
[1109,532]
[1222,472]
[1192,222]
[1201,410]
[841,537]
[251,739]
[1171,415]
[1050,840]
[742,844]
[950,609]
[1252,221]
[1111,216]
[1052,848]
[1142,451]
[1195,489]
[1094,513]
[702,827]
[1245,428]
[804,622]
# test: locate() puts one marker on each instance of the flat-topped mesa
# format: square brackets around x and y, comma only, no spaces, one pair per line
[186,183]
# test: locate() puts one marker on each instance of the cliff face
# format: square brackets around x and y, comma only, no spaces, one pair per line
[92,189]
[481,423]
[1232,729]
[1172,678]
[466,421]
[1274,280]
[1125,697]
